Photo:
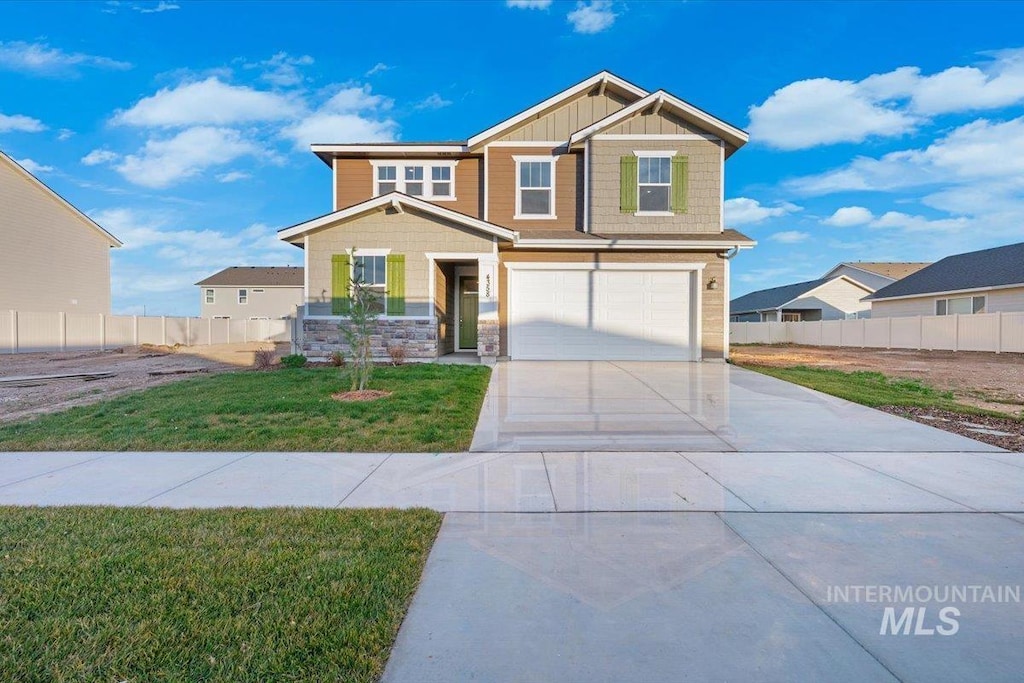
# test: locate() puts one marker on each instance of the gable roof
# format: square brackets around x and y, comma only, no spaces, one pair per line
[777,297]
[602,78]
[996,267]
[18,168]
[894,270]
[396,200]
[658,99]
[257,276]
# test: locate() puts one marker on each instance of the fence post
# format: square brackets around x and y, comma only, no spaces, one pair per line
[63,318]
[920,332]
[135,330]
[956,331]
[999,331]
[841,326]
[14,331]
[163,330]
[209,326]
[188,331]
[103,332]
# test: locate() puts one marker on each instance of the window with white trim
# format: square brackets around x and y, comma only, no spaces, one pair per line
[654,183]
[243,296]
[535,187]
[372,271]
[419,179]
[210,296]
[962,305]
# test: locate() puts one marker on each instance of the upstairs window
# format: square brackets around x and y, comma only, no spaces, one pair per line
[418,179]
[654,183]
[964,305]
[535,187]
[243,296]
[210,296]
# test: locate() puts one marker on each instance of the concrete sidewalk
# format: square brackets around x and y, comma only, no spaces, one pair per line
[525,482]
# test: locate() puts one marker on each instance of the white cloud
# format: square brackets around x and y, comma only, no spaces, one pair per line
[100,156]
[233,176]
[434,101]
[910,223]
[379,68]
[210,101]
[822,111]
[746,211]
[282,70]
[42,60]
[164,162]
[790,236]
[528,4]
[354,113]
[161,6]
[65,134]
[20,124]
[592,17]
[34,167]
[849,216]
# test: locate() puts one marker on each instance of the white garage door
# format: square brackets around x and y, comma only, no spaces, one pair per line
[599,315]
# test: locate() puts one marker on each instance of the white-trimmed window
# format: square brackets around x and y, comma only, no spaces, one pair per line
[962,305]
[654,182]
[243,296]
[211,296]
[535,187]
[372,271]
[427,179]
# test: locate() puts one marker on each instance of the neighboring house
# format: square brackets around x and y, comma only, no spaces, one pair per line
[986,281]
[588,226]
[830,298]
[837,295]
[54,257]
[252,292]
[876,274]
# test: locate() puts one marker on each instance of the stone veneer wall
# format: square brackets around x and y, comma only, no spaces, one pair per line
[488,337]
[320,338]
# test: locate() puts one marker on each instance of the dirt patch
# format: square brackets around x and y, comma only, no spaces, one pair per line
[364,395]
[992,381]
[132,369]
[1003,432]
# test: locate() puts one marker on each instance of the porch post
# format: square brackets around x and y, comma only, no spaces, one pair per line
[487,318]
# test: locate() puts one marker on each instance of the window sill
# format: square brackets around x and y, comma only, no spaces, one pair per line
[533,217]
[655,213]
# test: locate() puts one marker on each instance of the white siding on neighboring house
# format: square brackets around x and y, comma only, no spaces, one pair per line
[872,280]
[836,299]
[271,302]
[52,258]
[996,301]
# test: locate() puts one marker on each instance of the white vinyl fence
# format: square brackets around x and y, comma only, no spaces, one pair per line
[998,332]
[22,332]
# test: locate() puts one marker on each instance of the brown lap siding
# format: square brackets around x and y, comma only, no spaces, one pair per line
[712,300]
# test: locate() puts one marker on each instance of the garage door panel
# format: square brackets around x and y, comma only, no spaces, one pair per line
[600,315]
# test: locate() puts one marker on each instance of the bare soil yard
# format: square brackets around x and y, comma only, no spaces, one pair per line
[132,368]
[985,380]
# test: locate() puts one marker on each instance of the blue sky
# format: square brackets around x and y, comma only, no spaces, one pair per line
[879,131]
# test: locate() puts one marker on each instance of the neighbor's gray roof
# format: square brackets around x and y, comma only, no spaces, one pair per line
[994,267]
[773,298]
[256,276]
[891,269]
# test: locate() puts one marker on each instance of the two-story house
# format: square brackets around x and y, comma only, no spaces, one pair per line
[588,226]
[252,293]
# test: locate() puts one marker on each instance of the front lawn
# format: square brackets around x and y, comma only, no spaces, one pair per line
[432,408]
[103,594]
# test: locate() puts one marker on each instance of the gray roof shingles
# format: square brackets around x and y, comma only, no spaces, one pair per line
[996,267]
[256,276]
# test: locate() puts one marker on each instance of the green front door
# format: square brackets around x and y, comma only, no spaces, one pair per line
[469,310]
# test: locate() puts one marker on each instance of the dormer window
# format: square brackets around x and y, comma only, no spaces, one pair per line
[429,180]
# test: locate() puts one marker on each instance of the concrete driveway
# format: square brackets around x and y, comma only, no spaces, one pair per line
[690,407]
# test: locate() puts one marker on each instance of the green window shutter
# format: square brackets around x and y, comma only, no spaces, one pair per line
[680,183]
[341,276]
[396,284]
[627,184]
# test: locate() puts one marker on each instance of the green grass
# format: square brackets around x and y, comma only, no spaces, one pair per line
[433,408]
[103,594]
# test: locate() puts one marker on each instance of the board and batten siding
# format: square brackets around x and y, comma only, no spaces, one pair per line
[564,120]
[409,233]
[273,302]
[712,300]
[354,183]
[704,192]
[501,188]
[1007,300]
[51,259]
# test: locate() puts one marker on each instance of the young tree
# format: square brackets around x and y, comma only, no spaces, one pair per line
[364,309]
